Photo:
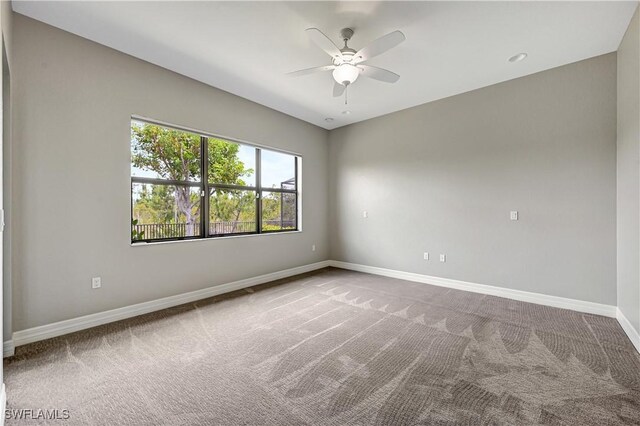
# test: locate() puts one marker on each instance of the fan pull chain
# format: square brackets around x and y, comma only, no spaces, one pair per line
[346,91]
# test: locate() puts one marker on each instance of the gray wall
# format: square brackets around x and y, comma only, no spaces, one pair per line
[629,174]
[73,102]
[442,178]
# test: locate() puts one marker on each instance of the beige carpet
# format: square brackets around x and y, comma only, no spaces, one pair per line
[337,348]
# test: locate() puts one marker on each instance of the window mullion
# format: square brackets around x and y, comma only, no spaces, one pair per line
[295,161]
[204,177]
[258,191]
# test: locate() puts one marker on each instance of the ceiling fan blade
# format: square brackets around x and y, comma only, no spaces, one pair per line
[338,89]
[323,42]
[313,70]
[379,74]
[379,46]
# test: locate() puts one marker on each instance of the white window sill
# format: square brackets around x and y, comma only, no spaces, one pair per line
[153,243]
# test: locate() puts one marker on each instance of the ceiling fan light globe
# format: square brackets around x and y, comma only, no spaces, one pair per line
[346,74]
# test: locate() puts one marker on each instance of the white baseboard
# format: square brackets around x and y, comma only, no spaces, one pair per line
[48,331]
[633,334]
[34,334]
[524,296]
[7,348]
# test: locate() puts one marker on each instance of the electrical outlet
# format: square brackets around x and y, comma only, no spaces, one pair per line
[313,247]
[514,215]
[443,258]
[425,256]
[96,282]
[365,214]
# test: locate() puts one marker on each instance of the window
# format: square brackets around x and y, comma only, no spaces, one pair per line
[186,185]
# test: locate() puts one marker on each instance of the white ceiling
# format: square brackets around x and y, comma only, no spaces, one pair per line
[247,47]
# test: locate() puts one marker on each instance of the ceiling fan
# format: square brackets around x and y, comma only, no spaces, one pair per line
[348,63]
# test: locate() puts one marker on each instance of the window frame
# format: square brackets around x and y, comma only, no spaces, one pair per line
[206,187]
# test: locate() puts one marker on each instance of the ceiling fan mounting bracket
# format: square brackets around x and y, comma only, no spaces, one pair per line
[346,34]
